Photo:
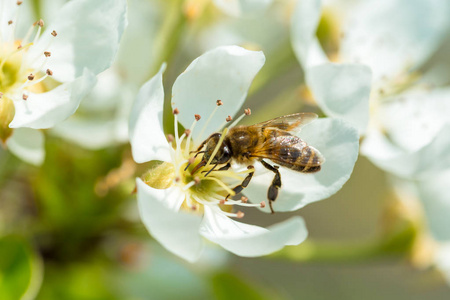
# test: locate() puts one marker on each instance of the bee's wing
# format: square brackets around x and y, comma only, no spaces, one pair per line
[291,123]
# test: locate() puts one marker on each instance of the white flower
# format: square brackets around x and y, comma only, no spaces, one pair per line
[434,197]
[373,50]
[181,209]
[45,75]
[102,118]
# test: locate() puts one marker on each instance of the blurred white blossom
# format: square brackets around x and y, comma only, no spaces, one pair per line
[45,75]
[353,51]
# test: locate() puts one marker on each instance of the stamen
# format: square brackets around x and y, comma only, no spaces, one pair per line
[47,53]
[10,22]
[30,77]
[188,143]
[223,185]
[19,3]
[24,96]
[49,72]
[219,103]
[54,33]
[189,185]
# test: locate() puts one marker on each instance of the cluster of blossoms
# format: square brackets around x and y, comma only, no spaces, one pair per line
[47,70]
[365,65]
[179,208]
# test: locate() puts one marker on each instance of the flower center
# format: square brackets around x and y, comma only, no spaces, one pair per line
[21,71]
[204,184]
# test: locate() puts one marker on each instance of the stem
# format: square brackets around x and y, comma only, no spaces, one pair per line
[398,242]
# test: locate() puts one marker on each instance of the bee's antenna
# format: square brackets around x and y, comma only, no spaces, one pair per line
[211,169]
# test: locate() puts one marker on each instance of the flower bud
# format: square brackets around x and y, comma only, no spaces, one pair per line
[160,175]
[7,112]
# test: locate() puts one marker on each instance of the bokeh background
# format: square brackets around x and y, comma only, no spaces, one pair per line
[69,229]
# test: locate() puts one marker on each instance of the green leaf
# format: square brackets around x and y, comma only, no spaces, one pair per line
[20,269]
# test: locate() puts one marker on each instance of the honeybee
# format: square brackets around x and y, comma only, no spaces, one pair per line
[274,140]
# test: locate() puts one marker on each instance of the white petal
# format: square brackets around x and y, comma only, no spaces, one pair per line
[147,138]
[338,142]
[342,91]
[90,134]
[431,158]
[88,37]
[443,260]
[249,240]
[224,73]
[394,35]
[28,145]
[304,23]
[413,119]
[178,232]
[435,195]
[47,109]
[239,8]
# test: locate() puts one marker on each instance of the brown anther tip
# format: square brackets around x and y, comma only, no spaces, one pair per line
[248,111]
[250,167]
[239,214]
[196,180]
[30,77]
[244,199]
[197,117]
[187,132]
[176,111]
[191,160]
[54,33]
[177,179]
[24,96]
[263,204]
[170,138]
[47,53]
[35,23]
[20,46]
[222,201]
[10,22]
[229,118]
[49,72]
[19,2]
[41,23]
[219,102]
[1,95]
[194,207]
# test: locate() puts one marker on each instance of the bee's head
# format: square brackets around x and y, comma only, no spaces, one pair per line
[223,154]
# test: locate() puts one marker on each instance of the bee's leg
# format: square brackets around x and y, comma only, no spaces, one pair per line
[272,193]
[226,167]
[244,183]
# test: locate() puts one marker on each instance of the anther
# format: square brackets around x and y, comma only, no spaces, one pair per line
[191,160]
[197,117]
[196,180]
[222,202]
[41,23]
[187,132]
[54,33]
[229,118]
[176,111]
[239,215]
[10,22]
[1,95]
[219,102]
[262,204]
[247,111]
[31,77]
[49,72]
[19,2]
[18,47]
[177,179]
[47,53]
[170,138]
[24,96]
